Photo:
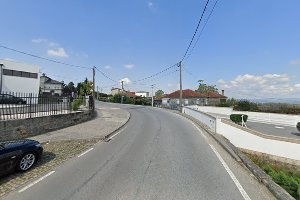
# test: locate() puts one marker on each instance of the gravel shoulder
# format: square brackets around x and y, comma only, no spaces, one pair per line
[62,145]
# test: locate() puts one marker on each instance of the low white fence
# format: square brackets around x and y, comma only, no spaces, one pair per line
[272,118]
[206,119]
[244,138]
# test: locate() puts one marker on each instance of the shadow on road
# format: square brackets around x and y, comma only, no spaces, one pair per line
[296,133]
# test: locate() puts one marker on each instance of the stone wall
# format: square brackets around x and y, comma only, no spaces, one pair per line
[22,128]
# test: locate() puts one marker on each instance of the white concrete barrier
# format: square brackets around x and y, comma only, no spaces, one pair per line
[206,119]
[272,118]
[243,138]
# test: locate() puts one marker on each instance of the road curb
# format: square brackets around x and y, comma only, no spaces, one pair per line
[240,157]
[105,138]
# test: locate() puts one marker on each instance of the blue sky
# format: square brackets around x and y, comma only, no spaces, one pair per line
[249,48]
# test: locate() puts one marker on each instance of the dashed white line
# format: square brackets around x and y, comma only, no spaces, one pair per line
[232,176]
[85,152]
[35,182]
[279,127]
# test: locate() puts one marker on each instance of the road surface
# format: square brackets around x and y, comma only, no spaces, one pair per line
[269,128]
[157,155]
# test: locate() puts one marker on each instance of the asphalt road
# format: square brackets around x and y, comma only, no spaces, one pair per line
[268,128]
[157,155]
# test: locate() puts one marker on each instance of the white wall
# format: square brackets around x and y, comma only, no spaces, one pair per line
[142,94]
[20,84]
[246,140]
[282,119]
[208,120]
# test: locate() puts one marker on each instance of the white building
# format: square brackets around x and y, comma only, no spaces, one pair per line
[19,77]
[50,86]
[142,94]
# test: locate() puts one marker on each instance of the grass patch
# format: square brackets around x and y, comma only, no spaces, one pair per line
[285,175]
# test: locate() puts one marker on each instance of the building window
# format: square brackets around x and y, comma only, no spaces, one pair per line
[9,72]
[17,73]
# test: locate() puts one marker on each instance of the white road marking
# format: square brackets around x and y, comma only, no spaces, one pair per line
[85,152]
[35,182]
[279,127]
[232,176]
[111,137]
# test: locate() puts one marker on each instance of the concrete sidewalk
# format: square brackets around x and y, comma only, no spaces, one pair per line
[107,121]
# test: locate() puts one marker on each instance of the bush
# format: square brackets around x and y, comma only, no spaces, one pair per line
[244,105]
[282,174]
[76,104]
[237,118]
[298,126]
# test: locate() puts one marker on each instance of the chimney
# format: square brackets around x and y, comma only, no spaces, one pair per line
[223,92]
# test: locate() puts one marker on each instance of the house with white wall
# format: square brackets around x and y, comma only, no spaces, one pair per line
[190,97]
[142,94]
[16,77]
[50,86]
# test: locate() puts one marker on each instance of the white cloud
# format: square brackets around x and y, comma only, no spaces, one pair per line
[129,66]
[295,62]
[125,81]
[53,44]
[150,4]
[107,67]
[268,85]
[9,59]
[170,84]
[59,52]
[39,40]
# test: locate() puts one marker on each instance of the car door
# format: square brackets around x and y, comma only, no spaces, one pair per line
[8,160]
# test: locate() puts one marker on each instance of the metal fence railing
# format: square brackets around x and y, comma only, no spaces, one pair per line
[22,105]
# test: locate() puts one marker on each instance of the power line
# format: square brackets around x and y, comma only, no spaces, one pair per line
[153,75]
[42,58]
[200,34]
[195,31]
[106,76]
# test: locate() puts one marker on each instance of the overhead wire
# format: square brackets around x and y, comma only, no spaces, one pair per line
[195,30]
[43,58]
[156,74]
[201,32]
[106,76]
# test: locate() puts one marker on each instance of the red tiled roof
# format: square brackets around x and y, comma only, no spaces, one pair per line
[130,94]
[187,94]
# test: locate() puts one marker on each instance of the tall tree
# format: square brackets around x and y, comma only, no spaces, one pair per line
[204,88]
[159,93]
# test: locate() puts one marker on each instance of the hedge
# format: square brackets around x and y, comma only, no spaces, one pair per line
[237,118]
[298,126]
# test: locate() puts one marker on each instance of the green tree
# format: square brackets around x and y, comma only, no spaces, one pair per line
[159,93]
[85,87]
[204,88]
[68,89]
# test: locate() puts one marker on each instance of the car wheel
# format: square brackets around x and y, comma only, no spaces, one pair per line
[26,162]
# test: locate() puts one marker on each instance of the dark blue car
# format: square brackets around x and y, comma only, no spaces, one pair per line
[19,155]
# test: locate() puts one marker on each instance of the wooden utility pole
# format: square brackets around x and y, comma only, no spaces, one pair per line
[180,73]
[152,102]
[94,73]
[122,85]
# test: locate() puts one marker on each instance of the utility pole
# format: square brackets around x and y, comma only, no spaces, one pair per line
[180,70]
[152,86]
[94,73]
[122,85]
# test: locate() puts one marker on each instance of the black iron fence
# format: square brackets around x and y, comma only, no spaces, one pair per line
[22,105]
